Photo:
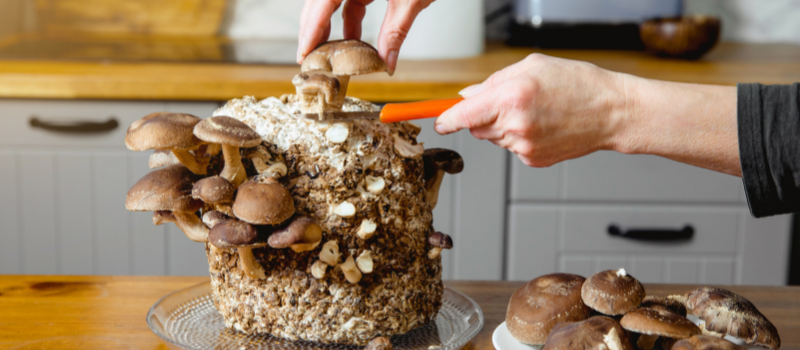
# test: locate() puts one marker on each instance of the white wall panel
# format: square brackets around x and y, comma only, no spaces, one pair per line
[39,238]
[112,246]
[10,250]
[75,208]
[148,241]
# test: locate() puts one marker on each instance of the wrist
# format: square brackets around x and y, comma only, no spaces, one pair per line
[626,114]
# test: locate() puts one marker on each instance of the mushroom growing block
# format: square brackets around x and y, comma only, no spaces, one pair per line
[231,134]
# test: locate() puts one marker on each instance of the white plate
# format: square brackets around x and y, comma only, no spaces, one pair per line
[502,340]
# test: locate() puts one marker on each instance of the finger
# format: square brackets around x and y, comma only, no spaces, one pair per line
[400,15]
[353,14]
[316,25]
[473,112]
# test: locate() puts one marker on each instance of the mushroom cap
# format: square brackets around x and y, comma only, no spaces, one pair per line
[232,233]
[311,84]
[213,190]
[379,343]
[163,130]
[263,203]
[435,159]
[440,240]
[705,342]
[673,305]
[302,230]
[728,313]
[225,130]
[598,332]
[612,294]
[167,188]
[659,322]
[542,303]
[344,57]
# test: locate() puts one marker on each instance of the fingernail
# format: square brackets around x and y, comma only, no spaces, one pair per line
[391,61]
[471,90]
[439,128]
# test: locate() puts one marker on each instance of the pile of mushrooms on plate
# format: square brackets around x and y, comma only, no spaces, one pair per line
[610,310]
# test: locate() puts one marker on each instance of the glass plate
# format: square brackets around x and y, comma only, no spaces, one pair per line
[188,320]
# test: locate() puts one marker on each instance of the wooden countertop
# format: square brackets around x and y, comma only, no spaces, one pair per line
[46,78]
[97,312]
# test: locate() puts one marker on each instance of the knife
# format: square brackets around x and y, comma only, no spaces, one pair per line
[394,112]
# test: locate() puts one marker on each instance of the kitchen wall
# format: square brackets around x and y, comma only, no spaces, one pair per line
[743,20]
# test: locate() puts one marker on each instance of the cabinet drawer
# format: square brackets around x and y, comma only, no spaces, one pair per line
[18,130]
[611,176]
[586,229]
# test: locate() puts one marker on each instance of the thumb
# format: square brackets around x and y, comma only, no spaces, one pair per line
[475,111]
[399,17]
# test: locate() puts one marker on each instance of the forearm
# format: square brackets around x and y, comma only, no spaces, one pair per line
[688,123]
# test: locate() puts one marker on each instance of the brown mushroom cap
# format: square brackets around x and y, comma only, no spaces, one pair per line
[435,159]
[542,303]
[344,57]
[163,130]
[302,234]
[440,240]
[612,293]
[263,203]
[728,313]
[232,233]
[659,322]
[673,305]
[226,131]
[213,190]
[598,332]
[705,342]
[167,188]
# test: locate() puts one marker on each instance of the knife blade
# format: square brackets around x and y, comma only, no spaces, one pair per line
[393,112]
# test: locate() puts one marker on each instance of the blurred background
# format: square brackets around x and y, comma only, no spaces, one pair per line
[75,73]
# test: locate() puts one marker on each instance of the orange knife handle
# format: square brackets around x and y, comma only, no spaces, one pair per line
[398,112]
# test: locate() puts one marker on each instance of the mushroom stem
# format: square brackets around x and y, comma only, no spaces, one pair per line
[233,171]
[248,263]
[432,188]
[192,226]
[344,80]
[189,161]
[434,252]
[163,216]
[646,341]
[213,149]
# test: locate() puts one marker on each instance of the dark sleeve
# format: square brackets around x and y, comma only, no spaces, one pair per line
[769,147]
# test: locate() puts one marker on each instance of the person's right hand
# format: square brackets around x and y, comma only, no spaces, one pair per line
[315,25]
[544,109]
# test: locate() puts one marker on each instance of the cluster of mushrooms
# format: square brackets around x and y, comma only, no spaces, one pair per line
[610,310]
[213,199]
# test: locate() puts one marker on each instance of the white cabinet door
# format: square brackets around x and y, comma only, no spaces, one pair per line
[62,196]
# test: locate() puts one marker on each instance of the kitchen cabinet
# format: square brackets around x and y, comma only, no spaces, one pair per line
[62,194]
[559,220]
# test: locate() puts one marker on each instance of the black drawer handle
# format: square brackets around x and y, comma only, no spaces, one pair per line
[653,234]
[80,127]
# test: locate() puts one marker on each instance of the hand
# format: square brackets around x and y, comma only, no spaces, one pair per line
[315,25]
[544,109]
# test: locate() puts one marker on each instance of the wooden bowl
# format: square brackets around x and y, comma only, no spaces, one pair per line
[685,37]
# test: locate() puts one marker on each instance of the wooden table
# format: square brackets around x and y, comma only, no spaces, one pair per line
[45,77]
[97,312]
